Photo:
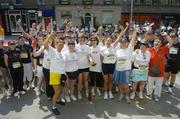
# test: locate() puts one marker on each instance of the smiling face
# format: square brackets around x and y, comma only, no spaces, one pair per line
[94,42]
[59,44]
[21,40]
[71,47]
[108,41]
[157,43]
[40,41]
[174,39]
[12,46]
[143,47]
[81,40]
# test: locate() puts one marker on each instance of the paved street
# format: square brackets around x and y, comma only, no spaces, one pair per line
[29,106]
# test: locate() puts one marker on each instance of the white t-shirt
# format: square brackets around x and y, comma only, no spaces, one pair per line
[46,60]
[124,58]
[82,53]
[108,55]
[141,60]
[95,53]
[57,61]
[71,61]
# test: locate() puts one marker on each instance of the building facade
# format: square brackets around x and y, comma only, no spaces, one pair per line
[29,11]
[158,11]
[85,13]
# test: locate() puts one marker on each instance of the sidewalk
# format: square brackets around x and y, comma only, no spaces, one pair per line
[29,106]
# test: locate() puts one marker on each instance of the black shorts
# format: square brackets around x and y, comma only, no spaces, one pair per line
[63,79]
[96,79]
[83,70]
[172,67]
[72,75]
[108,68]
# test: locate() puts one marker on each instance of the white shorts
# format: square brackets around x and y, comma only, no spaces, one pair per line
[40,72]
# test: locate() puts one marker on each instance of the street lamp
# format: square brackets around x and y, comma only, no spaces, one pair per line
[131,16]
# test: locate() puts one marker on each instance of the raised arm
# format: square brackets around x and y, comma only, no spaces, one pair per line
[50,37]
[123,31]
[169,39]
[133,40]
[22,30]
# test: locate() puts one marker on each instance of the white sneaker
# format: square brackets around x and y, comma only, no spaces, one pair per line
[42,90]
[16,94]
[73,98]
[37,91]
[156,98]
[121,97]
[117,89]
[98,91]
[22,92]
[170,90]
[67,99]
[33,85]
[132,95]
[105,95]
[25,87]
[63,100]
[93,92]
[141,95]
[8,93]
[28,88]
[79,96]
[127,99]
[149,97]
[111,95]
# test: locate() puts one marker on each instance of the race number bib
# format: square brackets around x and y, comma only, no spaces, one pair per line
[173,51]
[121,61]
[16,65]
[111,57]
[143,68]
[40,61]
[24,55]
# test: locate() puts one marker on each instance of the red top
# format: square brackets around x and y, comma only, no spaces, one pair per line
[158,58]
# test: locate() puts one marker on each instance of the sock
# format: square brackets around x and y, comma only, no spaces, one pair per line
[53,107]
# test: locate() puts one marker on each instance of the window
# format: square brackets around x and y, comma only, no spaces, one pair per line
[41,2]
[142,2]
[64,2]
[66,16]
[17,2]
[148,2]
[108,2]
[87,2]
[136,2]
[107,18]
[155,2]
[163,2]
[174,2]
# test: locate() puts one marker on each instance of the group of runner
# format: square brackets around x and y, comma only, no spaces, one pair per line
[70,61]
